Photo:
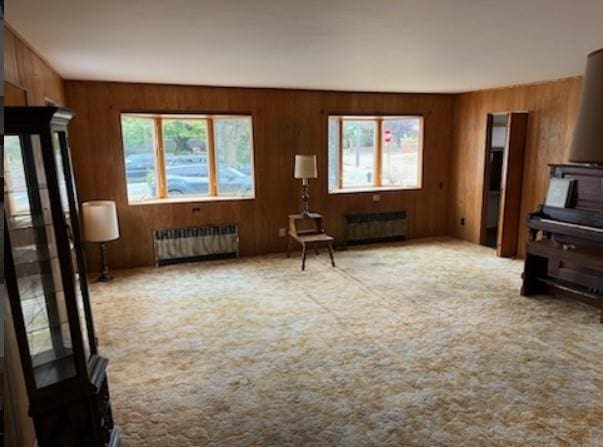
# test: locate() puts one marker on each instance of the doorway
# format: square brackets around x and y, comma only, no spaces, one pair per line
[503,179]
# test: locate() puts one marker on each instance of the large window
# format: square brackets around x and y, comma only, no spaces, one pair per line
[375,152]
[192,157]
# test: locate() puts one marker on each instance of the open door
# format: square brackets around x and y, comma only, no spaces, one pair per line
[503,179]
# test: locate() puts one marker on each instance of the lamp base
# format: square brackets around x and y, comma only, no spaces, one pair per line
[105,276]
[305,200]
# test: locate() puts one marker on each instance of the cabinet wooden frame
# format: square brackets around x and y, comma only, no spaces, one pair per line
[78,386]
[379,121]
[43,122]
[161,188]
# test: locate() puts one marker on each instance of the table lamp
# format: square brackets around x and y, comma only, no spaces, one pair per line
[587,146]
[101,226]
[305,168]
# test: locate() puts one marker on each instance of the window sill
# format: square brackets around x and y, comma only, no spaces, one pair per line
[190,200]
[374,189]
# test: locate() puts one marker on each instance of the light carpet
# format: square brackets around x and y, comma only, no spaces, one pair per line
[425,343]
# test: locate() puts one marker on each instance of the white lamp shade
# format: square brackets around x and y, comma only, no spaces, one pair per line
[305,166]
[587,146]
[100,221]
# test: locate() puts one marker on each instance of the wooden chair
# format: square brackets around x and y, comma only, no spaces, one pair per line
[310,234]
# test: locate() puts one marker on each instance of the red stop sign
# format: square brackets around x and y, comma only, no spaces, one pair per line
[387,135]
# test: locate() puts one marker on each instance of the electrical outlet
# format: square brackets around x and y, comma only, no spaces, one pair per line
[376,197]
[282,232]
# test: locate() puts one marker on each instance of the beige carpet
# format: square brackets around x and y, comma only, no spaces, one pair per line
[425,343]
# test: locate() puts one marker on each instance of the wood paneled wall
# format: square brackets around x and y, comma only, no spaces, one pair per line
[27,70]
[29,80]
[552,108]
[285,122]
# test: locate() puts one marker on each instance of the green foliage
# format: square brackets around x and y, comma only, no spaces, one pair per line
[181,136]
[181,132]
[358,134]
[137,135]
[362,134]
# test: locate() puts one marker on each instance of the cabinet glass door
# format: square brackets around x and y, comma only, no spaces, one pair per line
[68,204]
[31,233]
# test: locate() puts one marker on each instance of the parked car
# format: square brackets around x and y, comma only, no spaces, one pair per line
[196,170]
[194,180]
[185,160]
[138,166]
[233,181]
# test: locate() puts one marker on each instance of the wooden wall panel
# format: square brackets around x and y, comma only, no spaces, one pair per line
[26,69]
[14,95]
[286,122]
[552,108]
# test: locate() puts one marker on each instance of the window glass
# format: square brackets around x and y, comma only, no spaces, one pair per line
[15,184]
[199,156]
[65,205]
[333,153]
[400,158]
[37,268]
[139,150]
[58,158]
[186,160]
[375,152]
[358,147]
[234,157]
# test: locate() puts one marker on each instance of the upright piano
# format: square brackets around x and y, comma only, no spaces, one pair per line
[565,245]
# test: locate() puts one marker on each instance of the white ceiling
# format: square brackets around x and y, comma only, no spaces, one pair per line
[368,45]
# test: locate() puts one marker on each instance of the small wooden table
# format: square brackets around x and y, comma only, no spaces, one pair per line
[309,233]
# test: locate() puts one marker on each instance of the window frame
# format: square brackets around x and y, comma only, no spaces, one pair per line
[379,120]
[161,190]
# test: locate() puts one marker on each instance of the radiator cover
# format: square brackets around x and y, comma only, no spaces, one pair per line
[375,227]
[179,245]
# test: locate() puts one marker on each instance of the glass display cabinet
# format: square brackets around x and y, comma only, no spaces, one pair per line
[47,287]
[2,303]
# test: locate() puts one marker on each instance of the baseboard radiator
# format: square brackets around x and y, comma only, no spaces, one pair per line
[180,245]
[375,227]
